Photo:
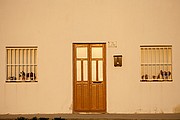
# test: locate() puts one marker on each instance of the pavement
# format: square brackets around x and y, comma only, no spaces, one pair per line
[174,116]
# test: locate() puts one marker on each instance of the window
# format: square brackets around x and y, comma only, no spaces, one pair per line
[21,64]
[156,63]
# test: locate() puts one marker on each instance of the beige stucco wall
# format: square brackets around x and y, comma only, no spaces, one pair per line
[53,25]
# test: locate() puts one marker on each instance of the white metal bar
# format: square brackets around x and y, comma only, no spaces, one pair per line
[21,47]
[7,63]
[15,61]
[155,46]
[30,60]
[23,59]
[171,62]
[160,59]
[151,64]
[19,63]
[11,62]
[144,62]
[155,62]
[163,62]
[167,62]
[151,67]
[148,62]
[142,66]
[26,64]
[34,66]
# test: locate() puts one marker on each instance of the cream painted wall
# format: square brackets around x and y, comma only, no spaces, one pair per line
[53,25]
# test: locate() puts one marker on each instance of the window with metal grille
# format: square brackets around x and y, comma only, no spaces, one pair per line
[21,64]
[156,63]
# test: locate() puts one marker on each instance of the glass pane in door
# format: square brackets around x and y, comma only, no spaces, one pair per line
[78,70]
[85,70]
[82,52]
[100,70]
[93,70]
[97,52]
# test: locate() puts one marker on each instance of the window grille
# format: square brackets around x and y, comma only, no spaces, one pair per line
[21,64]
[156,63]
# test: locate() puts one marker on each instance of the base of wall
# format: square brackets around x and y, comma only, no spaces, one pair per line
[171,116]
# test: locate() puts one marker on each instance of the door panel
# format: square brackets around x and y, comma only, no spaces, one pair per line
[98,97]
[82,99]
[89,77]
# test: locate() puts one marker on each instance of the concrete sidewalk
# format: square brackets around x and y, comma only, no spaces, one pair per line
[95,116]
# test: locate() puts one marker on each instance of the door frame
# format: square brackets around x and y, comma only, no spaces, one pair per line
[104,76]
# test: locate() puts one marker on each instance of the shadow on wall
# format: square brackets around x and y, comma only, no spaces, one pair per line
[177,109]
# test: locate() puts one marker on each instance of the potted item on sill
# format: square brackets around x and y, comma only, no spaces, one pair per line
[25,76]
[11,78]
[31,75]
[22,75]
[165,74]
[144,77]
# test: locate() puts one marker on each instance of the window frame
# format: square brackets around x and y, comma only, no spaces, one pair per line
[25,64]
[161,68]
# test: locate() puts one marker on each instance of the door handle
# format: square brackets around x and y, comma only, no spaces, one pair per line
[97,81]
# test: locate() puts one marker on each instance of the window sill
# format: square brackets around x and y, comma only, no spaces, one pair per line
[8,81]
[155,80]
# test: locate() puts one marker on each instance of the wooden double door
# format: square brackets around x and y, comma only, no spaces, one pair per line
[89,77]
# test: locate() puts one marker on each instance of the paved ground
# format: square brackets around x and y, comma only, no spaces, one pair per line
[96,116]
